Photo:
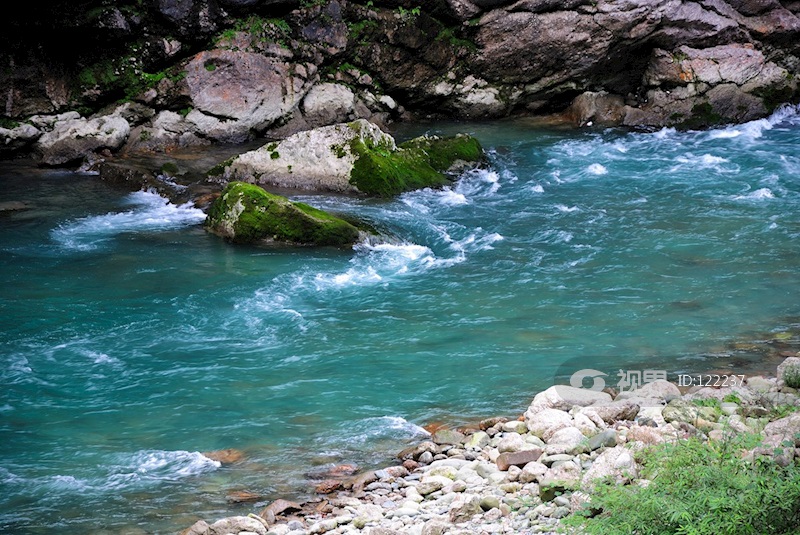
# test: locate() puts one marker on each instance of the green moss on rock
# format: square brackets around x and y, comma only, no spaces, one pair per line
[445,152]
[419,163]
[245,213]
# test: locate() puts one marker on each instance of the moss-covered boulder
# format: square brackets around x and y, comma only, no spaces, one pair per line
[354,157]
[245,213]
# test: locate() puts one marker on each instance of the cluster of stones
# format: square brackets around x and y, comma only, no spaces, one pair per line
[523,475]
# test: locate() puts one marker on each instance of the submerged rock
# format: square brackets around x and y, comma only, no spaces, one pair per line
[356,157]
[245,213]
[228,456]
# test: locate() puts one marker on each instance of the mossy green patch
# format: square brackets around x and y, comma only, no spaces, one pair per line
[218,169]
[170,168]
[254,215]
[442,152]
[419,163]
[385,173]
[703,115]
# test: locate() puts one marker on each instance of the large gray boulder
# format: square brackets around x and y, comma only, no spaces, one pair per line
[355,157]
[234,93]
[564,398]
[319,159]
[73,139]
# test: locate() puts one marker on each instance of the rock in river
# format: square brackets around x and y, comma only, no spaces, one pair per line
[245,213]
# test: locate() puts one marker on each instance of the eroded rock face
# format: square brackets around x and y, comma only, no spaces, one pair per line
[636,63]
[235,92]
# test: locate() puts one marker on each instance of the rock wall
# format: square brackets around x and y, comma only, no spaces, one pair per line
[206,71]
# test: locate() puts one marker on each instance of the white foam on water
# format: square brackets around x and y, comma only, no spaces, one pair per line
[451,198]
[597,169]
[537,188]
[98,357]
[477,183]
[704,161]
[6,408]
[151,213]
[708,159]
[755,129]
[488,177]
[158,465]
[382,427]
[6,476]
[566,209]
[292,384]
[69,483]
[761,193]
[664,133]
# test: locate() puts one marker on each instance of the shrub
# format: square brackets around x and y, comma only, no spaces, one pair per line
[791,376]
[699,488]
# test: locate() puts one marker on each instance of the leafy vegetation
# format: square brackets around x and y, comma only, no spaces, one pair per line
[791,376]
[699,488]
[123,77]
[260,30]
[10,124]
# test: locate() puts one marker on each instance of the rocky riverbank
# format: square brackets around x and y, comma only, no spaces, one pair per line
[153,77]
[523,475]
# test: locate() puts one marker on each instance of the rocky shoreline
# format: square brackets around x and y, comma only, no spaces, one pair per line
[154,78]
[526,474]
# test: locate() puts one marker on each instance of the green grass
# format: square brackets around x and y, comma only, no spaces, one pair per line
[699,488]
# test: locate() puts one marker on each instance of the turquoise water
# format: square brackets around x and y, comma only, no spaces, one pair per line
[132,340]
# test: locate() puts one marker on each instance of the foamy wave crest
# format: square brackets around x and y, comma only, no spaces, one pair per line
[452,198]
[374,263]
[381,428]
[664,133]
[566,209]
[477,183]
[158,465]
[597,169]
[705,161]
[151,213]
[755,129]
[761,193]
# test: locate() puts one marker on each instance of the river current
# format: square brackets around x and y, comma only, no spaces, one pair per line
[132,340]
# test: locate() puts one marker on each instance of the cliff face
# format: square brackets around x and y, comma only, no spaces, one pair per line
[200,71]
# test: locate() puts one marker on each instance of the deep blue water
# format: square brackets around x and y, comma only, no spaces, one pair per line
[132,340]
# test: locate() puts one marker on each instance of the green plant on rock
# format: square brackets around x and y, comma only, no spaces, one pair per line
[781,411]
[407,15]
[8,123]
[448,35]
[699,488]
[791,376]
